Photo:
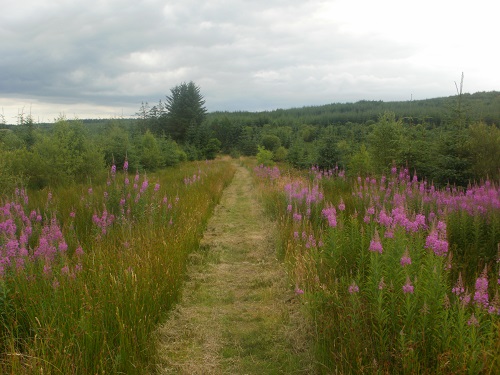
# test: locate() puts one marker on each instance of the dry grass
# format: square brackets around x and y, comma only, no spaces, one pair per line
[238,313]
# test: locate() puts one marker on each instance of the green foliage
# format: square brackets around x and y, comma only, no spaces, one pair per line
[117,146]
[10,140]
[264,157]
[280,154]
[453,164]
[191,151]
[172,153]
[271,142]
[328,153]
[226,132]
[8,179]
[184,109]
[248,141]
[301,154]
[360,163]
[484,146]
[212,148]
[386,142]
[150,153]
[65,155]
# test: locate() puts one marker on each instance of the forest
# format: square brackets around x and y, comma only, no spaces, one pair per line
[453,140]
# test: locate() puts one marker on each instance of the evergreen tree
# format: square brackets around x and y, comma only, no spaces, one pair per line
[184,109]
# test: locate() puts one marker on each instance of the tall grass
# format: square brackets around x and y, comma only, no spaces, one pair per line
[87,273]
[399,277]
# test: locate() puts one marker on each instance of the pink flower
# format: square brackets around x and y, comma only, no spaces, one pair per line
[473,321]
[408,288]
[381,284]
[79,251]
[405,259]
[298,291]
[458,289]
[341,205]
[353,288]
[481,293]
[375,244]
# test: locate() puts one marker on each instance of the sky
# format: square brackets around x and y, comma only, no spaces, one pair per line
[103,58]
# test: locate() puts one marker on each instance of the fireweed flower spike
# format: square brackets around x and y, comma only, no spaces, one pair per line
[353,288]
[381,284]
[481,294]
[375,244]
[458,289]
[405,259]
[408,288]
[298,291]
[473,321]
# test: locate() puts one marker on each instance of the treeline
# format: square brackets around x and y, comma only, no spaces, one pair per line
[69,151]
[481,106]
[450,140]
[447,140]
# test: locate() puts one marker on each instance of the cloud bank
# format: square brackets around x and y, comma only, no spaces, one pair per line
[103,58]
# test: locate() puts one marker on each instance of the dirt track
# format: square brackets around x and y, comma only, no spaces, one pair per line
[237,314]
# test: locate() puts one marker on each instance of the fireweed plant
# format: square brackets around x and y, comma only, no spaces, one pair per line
[398,276]
[87,273]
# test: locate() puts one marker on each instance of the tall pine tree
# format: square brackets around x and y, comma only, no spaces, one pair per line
[185,110]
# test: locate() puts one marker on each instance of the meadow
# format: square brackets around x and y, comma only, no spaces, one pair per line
[397,275]
[87,272]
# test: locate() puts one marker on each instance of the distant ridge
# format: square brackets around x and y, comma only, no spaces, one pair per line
[480,106]
[484,106]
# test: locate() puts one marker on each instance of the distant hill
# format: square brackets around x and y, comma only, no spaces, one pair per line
[483,106]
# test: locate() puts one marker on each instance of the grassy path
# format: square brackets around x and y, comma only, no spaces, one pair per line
[237,314]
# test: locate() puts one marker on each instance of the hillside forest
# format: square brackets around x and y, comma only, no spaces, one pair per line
[453,140]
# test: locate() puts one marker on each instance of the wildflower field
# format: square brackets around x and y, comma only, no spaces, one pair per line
[88,272]
[397,275]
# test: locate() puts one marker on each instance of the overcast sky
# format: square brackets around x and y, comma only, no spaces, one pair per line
[102,58]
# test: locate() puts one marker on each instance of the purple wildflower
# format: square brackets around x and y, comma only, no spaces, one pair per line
[458,289]
[353,288]
[481,293]
[375,244]
[341,205]
[473,321]
[408,287]
[381,284]
[405,259]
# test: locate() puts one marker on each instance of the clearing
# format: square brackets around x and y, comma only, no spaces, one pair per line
[237,314]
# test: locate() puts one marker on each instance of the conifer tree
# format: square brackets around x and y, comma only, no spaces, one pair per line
[184,109]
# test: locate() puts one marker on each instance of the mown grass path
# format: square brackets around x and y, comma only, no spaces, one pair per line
[237,315]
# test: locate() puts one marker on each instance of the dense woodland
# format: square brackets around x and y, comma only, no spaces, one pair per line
[452,140]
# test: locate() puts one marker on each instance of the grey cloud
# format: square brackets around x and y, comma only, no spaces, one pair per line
[244,54]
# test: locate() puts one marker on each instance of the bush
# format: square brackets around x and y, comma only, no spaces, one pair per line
[264,157]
